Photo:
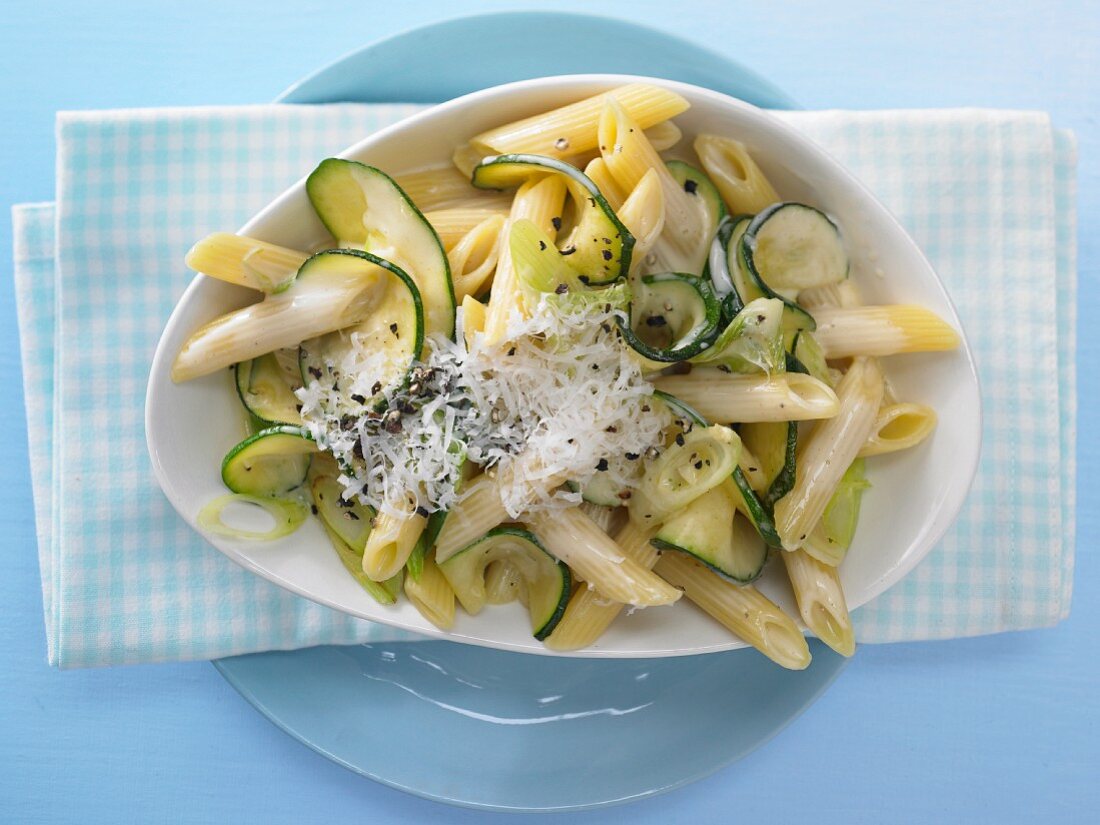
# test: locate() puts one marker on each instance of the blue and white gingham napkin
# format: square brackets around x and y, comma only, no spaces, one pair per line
[988,195]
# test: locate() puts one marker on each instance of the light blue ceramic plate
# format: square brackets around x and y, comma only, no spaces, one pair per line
[507,731]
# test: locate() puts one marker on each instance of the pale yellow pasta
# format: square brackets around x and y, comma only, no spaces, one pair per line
[574,539]
[882,330]
[249,262]
[571,130]
[474,258]
[828,452]
[735,174]
[899,427]
[729,398]
[390,544]
[479,511]
[473,319]
[454,223]
[742,609]
[643,213]
[663,136]
[629,156]
[589,613]
[602,517]
[432,595]
[821,601]
[439,187]
[597,172]
[539,201]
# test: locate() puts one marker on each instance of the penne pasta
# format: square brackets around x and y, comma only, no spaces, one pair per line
[573,538]
[539,201]
[589,612]
[629,156]
[735,174]
[503,582]
[248,262]
[473,319]
[727,398]
[882,330]
[479,511]
[454,223]
[663,136]
[643,213]
[571,130]
[439,187]
[598,173]
[831,448]
[821,600]
[899,427]
[742,609]
[474,258]
[390,544]
[432,595]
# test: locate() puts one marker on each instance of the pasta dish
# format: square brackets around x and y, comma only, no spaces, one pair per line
[590,365]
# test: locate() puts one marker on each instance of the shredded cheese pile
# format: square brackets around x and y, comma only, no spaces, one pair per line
[563,399]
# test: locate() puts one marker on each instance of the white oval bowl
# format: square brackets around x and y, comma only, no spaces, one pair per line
[915,494]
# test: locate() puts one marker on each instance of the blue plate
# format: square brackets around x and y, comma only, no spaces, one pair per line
[505,731]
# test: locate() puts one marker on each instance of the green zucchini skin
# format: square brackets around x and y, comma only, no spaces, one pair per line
[264,391]
[270,462]
[794,246]
[547,579]
[390,324]
[348,195]
[601,245]
[660,306]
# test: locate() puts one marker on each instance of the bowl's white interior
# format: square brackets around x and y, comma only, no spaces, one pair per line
[915,494]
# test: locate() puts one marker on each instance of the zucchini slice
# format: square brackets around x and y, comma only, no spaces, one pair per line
[547,580]
[747,285]
[758,513]
[347,519]
[751,342]
[264,391]
[599,247]
[391,338]
[673,317]
[363,208]
[774,443]
[712,210]
[270,462]
[794,246]
[710,530]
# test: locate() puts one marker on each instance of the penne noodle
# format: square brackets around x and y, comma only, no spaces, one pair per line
[503,583]
[602,517]
[643,213]
[432,595]
[744,610]
[629,156]
[598,173]
[574,539]
[899,427]
[248,262]
[539,201]
[663,136]
[478,512]
[474,258]
[390,544]
[882,330]
[439,187]
[727,398]
[589,613]
[473,319]
[735,174]
[821,601]
[831,448]
[571,130]
[454,223]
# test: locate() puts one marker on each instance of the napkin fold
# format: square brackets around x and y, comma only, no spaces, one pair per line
[989,196]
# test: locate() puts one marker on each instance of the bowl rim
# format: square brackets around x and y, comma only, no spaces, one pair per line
[934,527]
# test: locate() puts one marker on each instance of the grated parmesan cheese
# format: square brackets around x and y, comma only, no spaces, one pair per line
[563,398]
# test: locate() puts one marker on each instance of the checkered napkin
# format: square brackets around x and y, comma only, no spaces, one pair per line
[97,274]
